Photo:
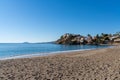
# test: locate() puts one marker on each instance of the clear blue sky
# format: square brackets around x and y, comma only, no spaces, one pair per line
[46,20]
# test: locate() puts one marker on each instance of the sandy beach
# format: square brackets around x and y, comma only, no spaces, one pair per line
[100,64]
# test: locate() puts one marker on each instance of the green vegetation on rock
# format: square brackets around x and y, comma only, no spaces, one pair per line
[76,39]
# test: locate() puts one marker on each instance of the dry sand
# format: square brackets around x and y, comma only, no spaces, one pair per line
[100,64]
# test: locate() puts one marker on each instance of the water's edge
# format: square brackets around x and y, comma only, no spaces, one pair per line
[49,53]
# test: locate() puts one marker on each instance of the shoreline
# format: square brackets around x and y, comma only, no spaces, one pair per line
[50,53]
[98,64]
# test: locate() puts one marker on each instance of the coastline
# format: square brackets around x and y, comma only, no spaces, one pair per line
[99,64]
[51,53]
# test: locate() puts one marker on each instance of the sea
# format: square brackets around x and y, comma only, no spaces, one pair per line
[19,50]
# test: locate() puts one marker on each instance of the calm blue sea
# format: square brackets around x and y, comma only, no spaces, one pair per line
[19,49]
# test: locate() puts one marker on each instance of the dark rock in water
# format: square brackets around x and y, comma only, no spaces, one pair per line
[76,39]
[71,39]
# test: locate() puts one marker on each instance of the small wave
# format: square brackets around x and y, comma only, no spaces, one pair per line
[45,54]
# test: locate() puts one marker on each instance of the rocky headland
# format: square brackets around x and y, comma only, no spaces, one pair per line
[76,39]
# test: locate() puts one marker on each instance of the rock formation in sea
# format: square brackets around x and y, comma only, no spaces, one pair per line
[77,39]
[71,39]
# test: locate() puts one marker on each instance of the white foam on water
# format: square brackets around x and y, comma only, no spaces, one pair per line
[45,54]
[42,54]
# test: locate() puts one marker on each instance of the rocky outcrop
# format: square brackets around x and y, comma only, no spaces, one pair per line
[76,39]
[71,39]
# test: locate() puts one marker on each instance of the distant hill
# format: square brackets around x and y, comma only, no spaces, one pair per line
[25,42]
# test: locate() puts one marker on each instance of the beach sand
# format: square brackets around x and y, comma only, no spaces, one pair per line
[100,64]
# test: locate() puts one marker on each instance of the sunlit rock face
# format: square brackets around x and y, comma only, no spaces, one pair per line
[71,39]
[76,39]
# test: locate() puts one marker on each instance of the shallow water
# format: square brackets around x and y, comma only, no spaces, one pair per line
[20,49]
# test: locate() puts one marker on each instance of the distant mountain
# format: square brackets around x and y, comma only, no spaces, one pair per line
[44,42]
[25,42]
